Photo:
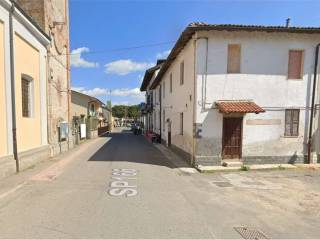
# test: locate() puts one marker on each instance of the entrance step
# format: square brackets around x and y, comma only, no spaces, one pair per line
[232,163]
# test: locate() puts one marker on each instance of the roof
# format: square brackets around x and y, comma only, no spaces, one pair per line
[149,73]
[93,99]
[239,106]
[192,28]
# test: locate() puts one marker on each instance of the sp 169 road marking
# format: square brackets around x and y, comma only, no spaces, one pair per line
[121,186]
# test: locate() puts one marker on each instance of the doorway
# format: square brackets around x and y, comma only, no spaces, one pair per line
[232,138]
[169,133]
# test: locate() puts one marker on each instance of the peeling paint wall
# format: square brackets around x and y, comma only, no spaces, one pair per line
[263,79]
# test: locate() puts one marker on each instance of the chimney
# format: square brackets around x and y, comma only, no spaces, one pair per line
[288,22]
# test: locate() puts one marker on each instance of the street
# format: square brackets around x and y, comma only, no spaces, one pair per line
[123,186]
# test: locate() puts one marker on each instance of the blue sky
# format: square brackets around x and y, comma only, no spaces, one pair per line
[102,31]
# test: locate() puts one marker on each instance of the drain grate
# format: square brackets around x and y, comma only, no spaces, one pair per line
[250,233]
[222,184]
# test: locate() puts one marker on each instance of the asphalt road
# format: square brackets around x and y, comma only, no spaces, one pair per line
[122,186]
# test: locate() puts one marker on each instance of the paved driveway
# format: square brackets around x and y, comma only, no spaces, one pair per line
[122,186]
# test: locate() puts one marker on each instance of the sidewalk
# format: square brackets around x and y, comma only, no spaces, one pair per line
[181,164]
[46,170]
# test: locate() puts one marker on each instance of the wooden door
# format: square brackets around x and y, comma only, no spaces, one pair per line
[232,138]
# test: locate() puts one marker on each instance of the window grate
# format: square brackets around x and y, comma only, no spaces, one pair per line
[26,103]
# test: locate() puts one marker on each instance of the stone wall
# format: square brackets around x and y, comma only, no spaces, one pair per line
[53,17]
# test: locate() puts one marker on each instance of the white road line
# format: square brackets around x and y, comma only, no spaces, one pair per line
[13,190]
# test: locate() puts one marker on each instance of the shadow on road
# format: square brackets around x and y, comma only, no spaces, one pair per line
[126,147]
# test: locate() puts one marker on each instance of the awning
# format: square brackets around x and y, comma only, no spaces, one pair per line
[239,106]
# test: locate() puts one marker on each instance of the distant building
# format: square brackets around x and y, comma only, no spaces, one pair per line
[239,93]
[150,111]
[23,95]
[92,113]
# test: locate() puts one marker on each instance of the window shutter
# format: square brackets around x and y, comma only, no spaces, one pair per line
[234,56]
[181,73]
[295,122]
[288,123]
[295,64]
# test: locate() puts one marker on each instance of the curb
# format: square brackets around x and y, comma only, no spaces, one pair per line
[212,169]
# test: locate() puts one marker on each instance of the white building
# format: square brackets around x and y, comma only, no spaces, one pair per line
[239,92]
[152,112]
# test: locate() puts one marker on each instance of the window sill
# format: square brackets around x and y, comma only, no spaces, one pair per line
[295,79]
[290,136]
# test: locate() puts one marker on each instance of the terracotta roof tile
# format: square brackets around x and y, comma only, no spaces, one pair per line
[238,107]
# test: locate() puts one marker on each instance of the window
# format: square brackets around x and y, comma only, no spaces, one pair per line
[170,82]
[26,88]
[164,121]
[92,108]
[181,123]
[159,94]
[292,122]
[181,73]
[295,65]
[164,89]
[234,58]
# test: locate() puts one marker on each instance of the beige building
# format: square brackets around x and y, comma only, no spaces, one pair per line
[53,17]
[23,96]
[90,111]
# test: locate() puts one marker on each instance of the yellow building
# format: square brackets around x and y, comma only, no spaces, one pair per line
[23,97]
[90,111]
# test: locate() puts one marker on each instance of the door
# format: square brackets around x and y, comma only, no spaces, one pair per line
[169,133]
[232,138]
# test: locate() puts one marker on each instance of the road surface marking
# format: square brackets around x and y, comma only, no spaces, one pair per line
[120,185]
[13,190]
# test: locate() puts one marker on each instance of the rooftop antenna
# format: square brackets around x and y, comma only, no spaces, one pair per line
[288,22]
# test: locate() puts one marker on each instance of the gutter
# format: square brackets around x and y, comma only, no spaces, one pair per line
[13,89]
[312,101]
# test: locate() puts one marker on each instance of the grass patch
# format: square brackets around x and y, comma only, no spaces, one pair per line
[244,168]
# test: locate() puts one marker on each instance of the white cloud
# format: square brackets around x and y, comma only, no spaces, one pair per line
[127,92]
[95,92]
[126,66]
[118,92]
[126,103]
[77,89]
[163,55]
[78,61]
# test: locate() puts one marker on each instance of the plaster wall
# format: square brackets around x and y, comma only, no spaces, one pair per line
[181,100]
[263,79]
[3,106]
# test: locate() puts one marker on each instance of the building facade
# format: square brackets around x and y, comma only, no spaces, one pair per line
[53,17]
[92,113]
[23,96]
[151,111]
[240,92]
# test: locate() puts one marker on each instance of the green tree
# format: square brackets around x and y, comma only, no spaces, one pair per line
[133,111]
[119,111]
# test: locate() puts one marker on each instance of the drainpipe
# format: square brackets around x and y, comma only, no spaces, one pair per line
[312,101]
[160,97]
[13,89]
